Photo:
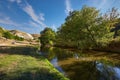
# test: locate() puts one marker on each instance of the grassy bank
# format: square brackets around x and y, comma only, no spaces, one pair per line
[23,63]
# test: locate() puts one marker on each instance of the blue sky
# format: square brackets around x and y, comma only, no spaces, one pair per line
[32,16]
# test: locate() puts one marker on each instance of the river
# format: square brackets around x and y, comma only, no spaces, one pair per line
[77,65]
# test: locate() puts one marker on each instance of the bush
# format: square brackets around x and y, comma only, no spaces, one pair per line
[18,38]
[47,37]
[8,35]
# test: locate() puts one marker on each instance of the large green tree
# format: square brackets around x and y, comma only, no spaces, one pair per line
[47,37]
[84,29]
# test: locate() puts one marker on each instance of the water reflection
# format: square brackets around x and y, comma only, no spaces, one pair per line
[54,61]
[76,55]
[108,72]
[78,66]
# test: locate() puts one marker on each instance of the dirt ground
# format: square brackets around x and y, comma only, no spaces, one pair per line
[8,42]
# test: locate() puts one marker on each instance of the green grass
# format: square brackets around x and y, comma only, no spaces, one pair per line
[20,66]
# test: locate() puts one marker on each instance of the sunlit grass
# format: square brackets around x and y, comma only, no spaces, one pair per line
[27,67]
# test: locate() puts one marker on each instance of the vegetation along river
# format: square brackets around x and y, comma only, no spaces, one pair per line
[77,65]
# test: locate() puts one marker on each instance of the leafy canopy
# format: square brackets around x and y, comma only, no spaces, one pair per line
[47,37]
[84,29]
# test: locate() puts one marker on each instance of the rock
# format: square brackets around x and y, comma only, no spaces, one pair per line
[24,35]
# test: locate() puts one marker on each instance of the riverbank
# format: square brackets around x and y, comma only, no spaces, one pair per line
[23,63]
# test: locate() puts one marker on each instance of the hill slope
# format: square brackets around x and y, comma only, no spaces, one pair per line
[21,34]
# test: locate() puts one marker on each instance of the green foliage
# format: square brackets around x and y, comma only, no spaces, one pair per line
[18,38]
[84,29]
[8,35]
[20,64]
[112,17]
[47,37]
[1,31]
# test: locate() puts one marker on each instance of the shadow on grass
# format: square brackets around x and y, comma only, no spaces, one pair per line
[22,50]
[31,74]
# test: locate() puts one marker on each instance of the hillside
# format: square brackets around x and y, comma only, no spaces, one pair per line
[36,36]
[24,35]
[15,38]
[18,33]
[2,30]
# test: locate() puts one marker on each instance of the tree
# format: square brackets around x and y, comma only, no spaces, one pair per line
[47,37]
[112,16]
[84,29]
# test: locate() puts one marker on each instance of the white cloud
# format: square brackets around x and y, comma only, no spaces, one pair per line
[17,1]
[54,27]
[8,21]
[41,16]
[33,24]
[28,9]
[68,7]
[36,18]
[102,4]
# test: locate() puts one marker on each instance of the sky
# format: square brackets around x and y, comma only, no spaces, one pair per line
[32,16]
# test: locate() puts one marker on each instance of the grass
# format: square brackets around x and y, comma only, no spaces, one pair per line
[21,63]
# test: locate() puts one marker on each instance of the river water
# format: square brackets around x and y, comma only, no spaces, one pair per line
[77,65]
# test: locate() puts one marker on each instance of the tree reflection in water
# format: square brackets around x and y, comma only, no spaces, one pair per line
[78,66]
